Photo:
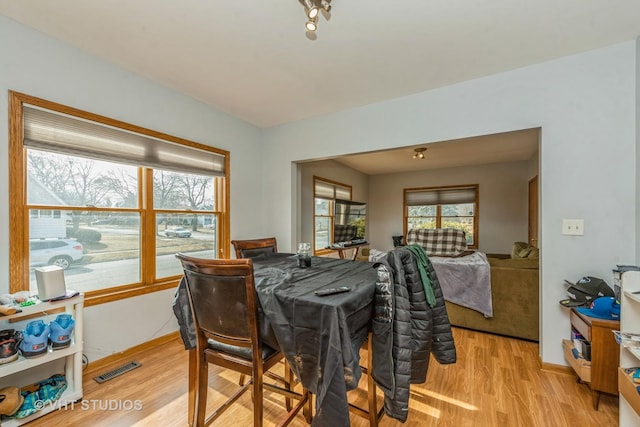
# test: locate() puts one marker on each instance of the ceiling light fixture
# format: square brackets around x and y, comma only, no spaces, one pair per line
[419,153]
[312,24]
[312,9]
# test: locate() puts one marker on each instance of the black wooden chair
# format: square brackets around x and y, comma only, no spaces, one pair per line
[255,247]
[223,303]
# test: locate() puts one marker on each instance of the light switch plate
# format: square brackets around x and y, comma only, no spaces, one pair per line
[573,227]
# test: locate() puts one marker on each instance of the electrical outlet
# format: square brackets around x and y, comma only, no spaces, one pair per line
[573,227]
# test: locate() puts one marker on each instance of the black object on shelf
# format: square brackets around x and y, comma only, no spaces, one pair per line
[586,350]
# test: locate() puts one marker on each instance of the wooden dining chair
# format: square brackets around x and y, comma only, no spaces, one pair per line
[371,413]
[224,308]
[255,247]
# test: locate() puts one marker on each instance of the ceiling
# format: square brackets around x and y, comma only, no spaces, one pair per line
[487,149]
[252,59]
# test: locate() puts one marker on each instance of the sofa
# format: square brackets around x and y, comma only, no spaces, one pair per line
[514,284]
[515,299]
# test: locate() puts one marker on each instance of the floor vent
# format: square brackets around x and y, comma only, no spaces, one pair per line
[117,372]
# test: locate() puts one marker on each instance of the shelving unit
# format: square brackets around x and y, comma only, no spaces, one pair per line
[629,357]
[601,371]
[72,355]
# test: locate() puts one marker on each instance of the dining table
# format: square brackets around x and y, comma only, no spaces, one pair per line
[320,335]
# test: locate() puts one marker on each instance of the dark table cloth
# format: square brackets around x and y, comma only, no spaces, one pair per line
[319,335]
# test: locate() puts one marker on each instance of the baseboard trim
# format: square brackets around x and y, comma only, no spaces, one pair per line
[557,369]
[100,364]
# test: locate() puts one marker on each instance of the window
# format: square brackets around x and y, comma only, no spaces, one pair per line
[109,202]
[325,193]
[443,207]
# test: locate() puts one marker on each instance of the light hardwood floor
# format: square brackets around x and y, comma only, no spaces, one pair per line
[495,382]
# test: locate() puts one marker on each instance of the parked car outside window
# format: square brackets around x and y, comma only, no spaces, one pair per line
[60,252]
[177,232]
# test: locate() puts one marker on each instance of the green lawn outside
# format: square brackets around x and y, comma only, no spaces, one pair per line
[113,247]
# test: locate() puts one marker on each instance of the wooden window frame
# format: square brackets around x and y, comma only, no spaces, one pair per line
[19,212]
[331,210]
[476,208]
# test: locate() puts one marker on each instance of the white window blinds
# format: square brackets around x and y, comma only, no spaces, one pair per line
[327,190]
[449,196]
[49,131]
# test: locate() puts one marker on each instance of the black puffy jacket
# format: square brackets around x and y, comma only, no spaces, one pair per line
[406,329]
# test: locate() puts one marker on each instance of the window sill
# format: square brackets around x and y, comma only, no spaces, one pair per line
[101,297]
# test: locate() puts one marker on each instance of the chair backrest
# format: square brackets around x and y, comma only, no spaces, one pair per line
[223,298]
[255,248]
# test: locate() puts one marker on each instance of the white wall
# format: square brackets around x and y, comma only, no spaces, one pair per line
[40,66]
[585,105]
[503,202]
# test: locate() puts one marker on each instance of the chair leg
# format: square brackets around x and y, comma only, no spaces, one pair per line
[307,411]
[256,393]
[288,384]
[201,397]
[371,386]
[191,401]
[241,380]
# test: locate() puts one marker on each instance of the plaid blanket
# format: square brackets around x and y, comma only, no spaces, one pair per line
[344,233]
[439,241]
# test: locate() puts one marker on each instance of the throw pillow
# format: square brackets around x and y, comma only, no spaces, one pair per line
[524,250]
[535,253]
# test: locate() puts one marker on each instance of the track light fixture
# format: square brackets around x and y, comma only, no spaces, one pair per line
[419,153]
[326,5]
[312,9]
[312,24]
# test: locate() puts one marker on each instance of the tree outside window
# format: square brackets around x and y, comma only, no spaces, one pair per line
[117,222]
